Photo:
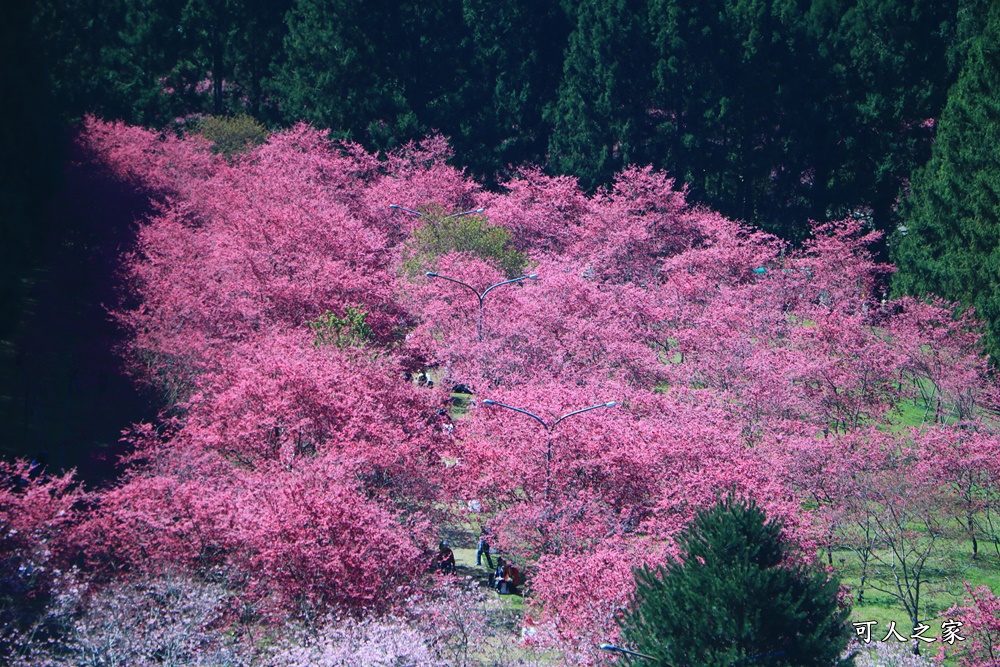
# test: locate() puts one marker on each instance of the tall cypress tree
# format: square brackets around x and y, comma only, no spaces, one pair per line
[31,145]
[951,243]
[516,50]
[895,68]
[739,98]
[599,120]
[233,44]
[342,68]
[256,49]
[736,595]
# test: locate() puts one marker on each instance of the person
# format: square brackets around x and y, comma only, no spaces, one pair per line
[500,576]
[445,560]
[506,578]
[514,578]
[484,548]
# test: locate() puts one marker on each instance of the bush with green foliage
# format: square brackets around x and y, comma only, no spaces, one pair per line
[231,135]
[472,234]
[351,330]
[737,595]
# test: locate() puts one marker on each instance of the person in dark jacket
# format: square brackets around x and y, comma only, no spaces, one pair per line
[445,559]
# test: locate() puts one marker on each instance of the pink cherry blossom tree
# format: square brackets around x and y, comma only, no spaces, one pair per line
[735,362]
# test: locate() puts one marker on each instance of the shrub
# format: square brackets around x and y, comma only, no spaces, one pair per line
[736,595]
[351,330]
[472,234]
[231,135]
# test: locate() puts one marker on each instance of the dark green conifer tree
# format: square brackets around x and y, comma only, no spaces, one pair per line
[341,68]
[739,91]
[257,48]
[599,120]
[951,243]
[232,44]
[112,58]
[894,71]
[516,51]
[31,145]
[736,596]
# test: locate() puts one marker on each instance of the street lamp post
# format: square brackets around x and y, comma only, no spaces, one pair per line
[481,296]
[549,428]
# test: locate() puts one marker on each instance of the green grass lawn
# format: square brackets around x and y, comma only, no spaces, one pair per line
[917,412]
[459,405]
[945,589]
[465,562]
[463,539]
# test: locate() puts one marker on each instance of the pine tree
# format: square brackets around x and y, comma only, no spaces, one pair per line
[598,121]
[30,156]
[516,53]
[342,68]
[739,90]
[736,596]
[951,243]
[892,79]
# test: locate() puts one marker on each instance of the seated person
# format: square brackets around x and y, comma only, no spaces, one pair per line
[515,578]
[500,575]
[506,578]
[445,559]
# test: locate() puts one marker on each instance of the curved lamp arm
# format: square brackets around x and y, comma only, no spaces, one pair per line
[533,276]
[618,649]
[431,274]
[458,215]
[609,404]
[407,210]
[523,412]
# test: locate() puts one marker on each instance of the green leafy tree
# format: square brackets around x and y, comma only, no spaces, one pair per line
[472,234]
[951,243]
[232,134]
[738,595]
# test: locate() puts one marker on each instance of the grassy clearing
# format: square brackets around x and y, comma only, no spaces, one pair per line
[944,590]
[919,411]
[460,404]
[463,540]
[465,562]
